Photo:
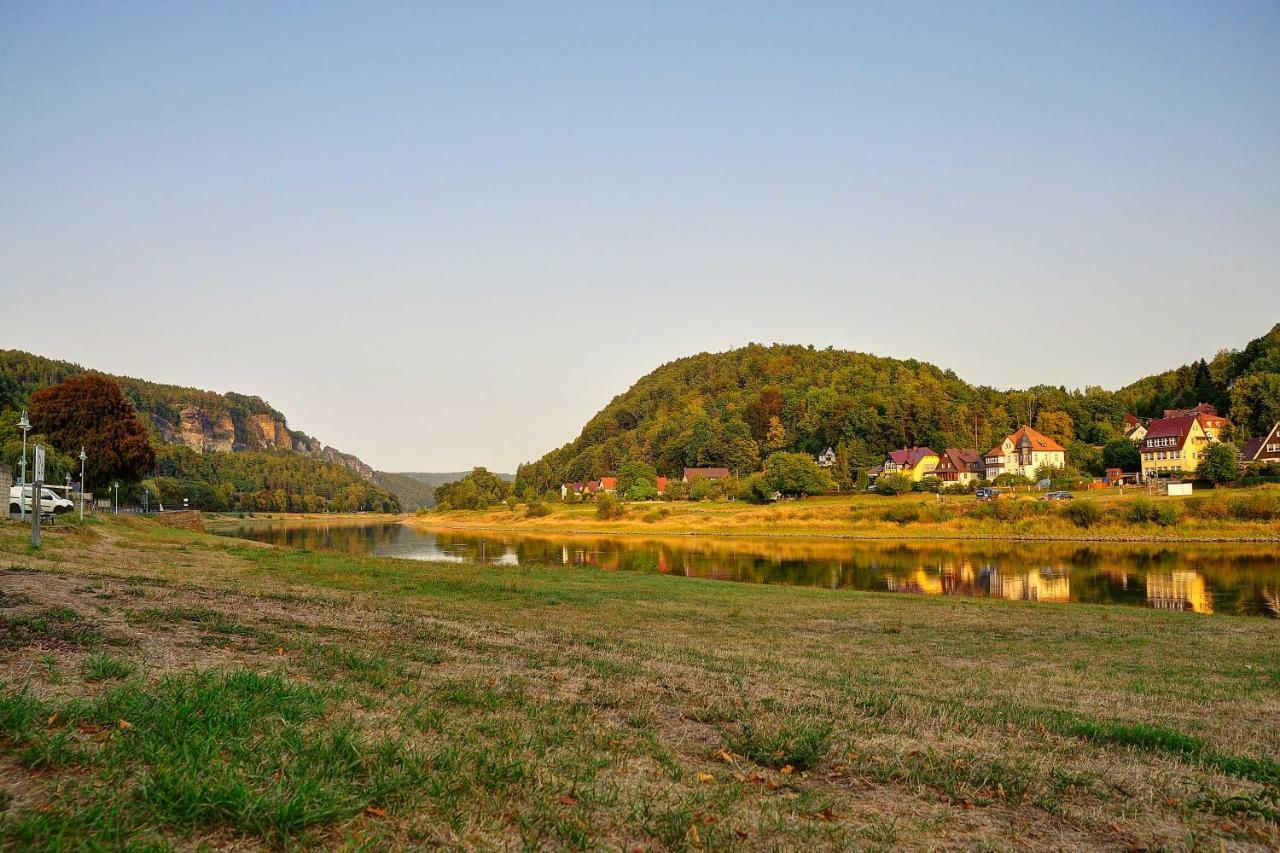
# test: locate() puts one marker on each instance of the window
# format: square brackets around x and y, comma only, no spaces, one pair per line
[1273,448]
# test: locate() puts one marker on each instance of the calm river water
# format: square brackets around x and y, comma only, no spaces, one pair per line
[1204,578]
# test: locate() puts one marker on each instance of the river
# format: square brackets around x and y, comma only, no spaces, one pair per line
[1202,578]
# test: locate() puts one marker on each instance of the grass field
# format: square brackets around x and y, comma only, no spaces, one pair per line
[169,688]
[1246,514]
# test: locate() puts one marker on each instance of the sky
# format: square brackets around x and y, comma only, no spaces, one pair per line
[443,235]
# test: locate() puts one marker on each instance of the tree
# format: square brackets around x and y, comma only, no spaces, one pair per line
[1220,464]
[1057,425]
[478,490]
[795,474]
[1123,454]
[1255,402]
[636,473]
[90,411]
[893,484]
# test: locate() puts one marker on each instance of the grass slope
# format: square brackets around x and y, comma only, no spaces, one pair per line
[167,688]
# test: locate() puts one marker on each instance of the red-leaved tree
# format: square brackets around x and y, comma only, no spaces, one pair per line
[90,411]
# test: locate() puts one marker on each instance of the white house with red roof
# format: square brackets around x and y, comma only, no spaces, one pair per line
[1023,452]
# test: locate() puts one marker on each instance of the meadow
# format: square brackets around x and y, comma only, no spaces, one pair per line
[1111,514]
[163,687]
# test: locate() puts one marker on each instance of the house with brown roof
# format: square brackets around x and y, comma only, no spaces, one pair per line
[1024,452]
[1173,446]
[913,462]
[961,465]
[1211,422]
[1264,449]
[1134,429]
[713,474]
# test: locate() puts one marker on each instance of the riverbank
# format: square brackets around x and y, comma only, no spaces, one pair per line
[166,687]
[1239,516]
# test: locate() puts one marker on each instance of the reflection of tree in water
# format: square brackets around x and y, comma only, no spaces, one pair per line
[1231,579]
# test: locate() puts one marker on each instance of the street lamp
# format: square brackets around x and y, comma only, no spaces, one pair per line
[25,426]
[116,486]
[82,458]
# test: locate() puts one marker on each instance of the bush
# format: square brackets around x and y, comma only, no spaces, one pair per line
[676,491]
[642,490]
[1083,513]
[929,484]
[537,510]
[609,508]
[1140,511]
[701,490]
[902,514]
[1167,514]
[655,515]
[893,484]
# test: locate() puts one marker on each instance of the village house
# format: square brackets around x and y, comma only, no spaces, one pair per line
[574,489]
[1211,422]
[827,458]
[1173,446]
[693,474]
[960,465]
[1263,449]
[912,462]
[1134,429]
[1023,453]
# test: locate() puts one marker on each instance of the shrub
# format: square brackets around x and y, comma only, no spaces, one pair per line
[655,515]
[893,484]
[1167,514]
[1141,511]
[609,508]
[676,491]
[1083,513]
[537,510]
[701,490]
[1008,509]
[929,484]
[902,514]
[642,490]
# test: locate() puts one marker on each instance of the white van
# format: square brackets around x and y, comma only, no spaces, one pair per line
[20,500]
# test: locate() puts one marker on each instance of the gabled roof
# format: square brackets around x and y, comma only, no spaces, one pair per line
[706,473]
[960,459]
[909,457]
[1038,441]
[1178,428]
[1252,447]
[608,482]
[1199,409]
[662,484]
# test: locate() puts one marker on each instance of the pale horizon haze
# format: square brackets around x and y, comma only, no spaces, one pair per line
[439,236]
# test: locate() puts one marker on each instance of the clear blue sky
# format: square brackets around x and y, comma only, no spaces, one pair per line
[439,235]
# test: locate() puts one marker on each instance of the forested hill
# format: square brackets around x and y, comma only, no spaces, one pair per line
[734,408]
[221,451]
[417,489]
[202,420]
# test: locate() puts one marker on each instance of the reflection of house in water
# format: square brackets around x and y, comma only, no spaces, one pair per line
[1044,585]
[920,581]
[942,579]
[1180,589]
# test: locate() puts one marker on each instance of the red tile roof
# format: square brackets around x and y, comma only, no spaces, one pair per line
[609,483]
[662,485]
[706,473]
[1178,428]
[1039,442]
[1200,409]
[910,457]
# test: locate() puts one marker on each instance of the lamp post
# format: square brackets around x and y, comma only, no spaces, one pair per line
[25,426]
[82,458]
[116,487]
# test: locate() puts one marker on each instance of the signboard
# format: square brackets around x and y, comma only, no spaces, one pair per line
[1179,488]
[39,474]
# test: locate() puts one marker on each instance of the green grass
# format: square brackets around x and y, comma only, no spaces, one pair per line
[311,699]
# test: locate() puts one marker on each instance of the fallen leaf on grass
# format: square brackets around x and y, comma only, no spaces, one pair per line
[741,833]
[826,814]
[567,800]
[787,770]
[706,777]
[374,811]
[725,756]
[53,718]
[89,729]
[125,725]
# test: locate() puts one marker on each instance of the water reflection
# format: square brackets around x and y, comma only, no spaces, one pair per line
[1200,578]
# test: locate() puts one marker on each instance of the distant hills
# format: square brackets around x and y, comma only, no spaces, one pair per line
[417,489]
[218,448]
[733,408]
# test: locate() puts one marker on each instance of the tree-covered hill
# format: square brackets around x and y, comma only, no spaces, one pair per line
[417,489]
[734,408]
[220,451]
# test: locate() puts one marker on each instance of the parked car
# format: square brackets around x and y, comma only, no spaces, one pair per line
[20,500]
[1058,496]
[986,494]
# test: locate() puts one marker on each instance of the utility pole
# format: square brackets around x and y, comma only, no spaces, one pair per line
[36,503]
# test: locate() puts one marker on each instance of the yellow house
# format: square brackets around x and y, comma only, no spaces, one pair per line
[915,462]
[1174,446]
